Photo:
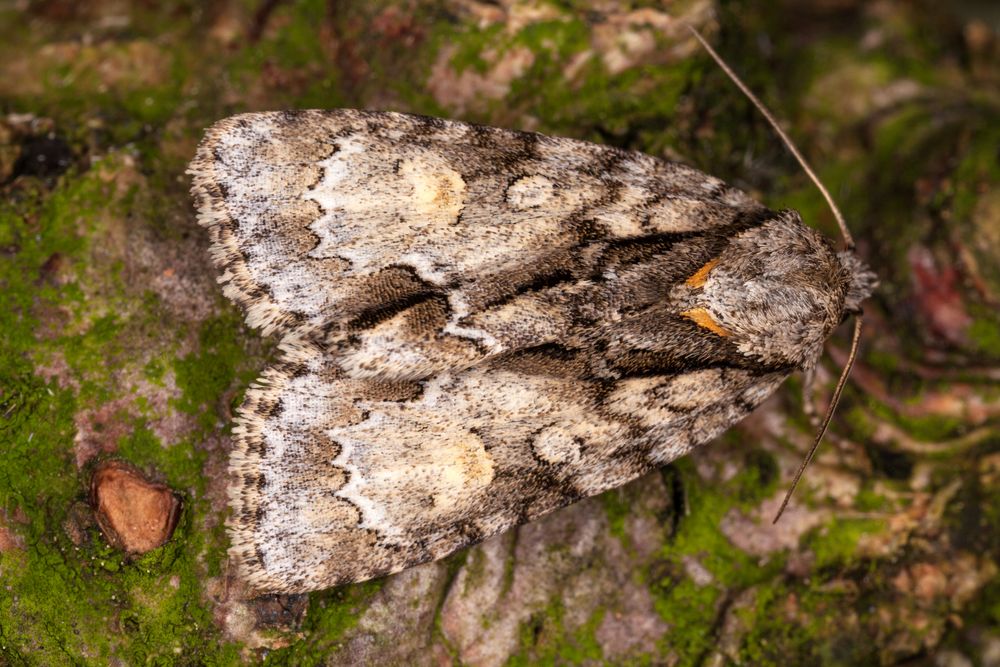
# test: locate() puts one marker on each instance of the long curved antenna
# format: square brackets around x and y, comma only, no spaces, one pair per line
[855,342]
[848,245]
[848,239]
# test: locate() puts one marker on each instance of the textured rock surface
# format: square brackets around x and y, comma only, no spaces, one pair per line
[117,341]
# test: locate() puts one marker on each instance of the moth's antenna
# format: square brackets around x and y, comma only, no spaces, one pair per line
[826,419]
[848,244]
[848,239]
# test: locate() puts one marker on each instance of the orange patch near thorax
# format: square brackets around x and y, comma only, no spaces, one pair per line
[704,319]
[699,277]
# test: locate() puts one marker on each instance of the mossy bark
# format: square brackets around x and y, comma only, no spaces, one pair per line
[116,341]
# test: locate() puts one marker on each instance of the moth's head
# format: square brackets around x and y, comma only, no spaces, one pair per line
[777,291]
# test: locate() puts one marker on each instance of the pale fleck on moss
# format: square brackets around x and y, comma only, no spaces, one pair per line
[155,370]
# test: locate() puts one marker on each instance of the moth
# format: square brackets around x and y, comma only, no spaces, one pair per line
[479,326]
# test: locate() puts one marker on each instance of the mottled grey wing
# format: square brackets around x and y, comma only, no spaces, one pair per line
[400,473]
[329,218]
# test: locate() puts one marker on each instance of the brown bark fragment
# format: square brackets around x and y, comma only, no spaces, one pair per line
[134,514]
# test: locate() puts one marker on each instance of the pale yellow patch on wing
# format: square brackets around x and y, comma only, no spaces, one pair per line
[464,466]
[699,277]
[436,189]
[704,319]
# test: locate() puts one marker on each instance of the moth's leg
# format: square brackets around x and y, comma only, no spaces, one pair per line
[809,396]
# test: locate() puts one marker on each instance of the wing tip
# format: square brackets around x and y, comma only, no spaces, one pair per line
[213,214]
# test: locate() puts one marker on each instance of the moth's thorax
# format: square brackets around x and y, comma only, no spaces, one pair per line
[776,291]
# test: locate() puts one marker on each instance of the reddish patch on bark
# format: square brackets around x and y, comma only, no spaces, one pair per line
[134,514]
[98,431]
[396,27]
[9,540]
[937,296]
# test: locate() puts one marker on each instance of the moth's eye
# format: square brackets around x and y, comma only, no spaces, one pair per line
[699,277]
[704,319]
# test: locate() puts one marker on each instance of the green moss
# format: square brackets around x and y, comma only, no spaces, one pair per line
[545,640]
[155,370]
[978,165]
[835,544]
[758,477]
[868,500]
[632,108]
[297,52]
[860,422]
[91,354]
[468,52]
[475,569]
[802,626]
[66,603]
[205,375]
[617,509]
[929,428]
[63,603]
[884,362]
[330,616]
[699,534]
[985,335]
[689,608]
